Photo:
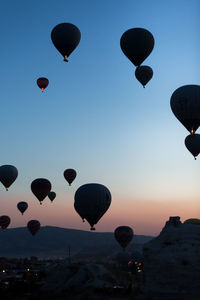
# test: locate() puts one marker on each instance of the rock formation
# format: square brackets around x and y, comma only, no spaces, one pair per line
[172,262]
[66,277]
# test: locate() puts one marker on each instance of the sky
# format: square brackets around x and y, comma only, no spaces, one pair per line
[95,117]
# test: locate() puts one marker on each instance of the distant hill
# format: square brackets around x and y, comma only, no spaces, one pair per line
[54,242]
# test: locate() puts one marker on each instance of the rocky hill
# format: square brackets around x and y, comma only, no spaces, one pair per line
[54,242]
[172,262]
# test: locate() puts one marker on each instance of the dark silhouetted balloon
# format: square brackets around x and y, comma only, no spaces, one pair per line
[22,206]
[123,235]
[42,82]
[192,143]
[92,200]
[4,222]
[65,37]
[79,211]
[193,221]
[52,196]
[185,104]
[70,175]
[41,188]
[33,226]
[143,74]
[137,44]
[8,175]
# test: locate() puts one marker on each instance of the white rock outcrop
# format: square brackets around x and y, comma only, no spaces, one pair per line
[172,261]
[85,276]
[91,275]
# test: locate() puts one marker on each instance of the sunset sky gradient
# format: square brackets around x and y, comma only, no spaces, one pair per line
[95,116]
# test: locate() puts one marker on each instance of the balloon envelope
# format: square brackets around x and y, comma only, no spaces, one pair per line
[52,195]
[123,235]
[192,221]
[185,104]
[8,175]
[4,222]
[143,74]
[92,200]
[70,175]
[79,211]
[65,37]
[33,226]
[137,44]
[192,143]
[42,82]
[41,188]
[22,206]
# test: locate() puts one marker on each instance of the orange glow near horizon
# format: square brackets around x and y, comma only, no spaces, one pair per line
[143,216]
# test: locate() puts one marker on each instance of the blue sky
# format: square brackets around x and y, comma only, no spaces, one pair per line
[95,116]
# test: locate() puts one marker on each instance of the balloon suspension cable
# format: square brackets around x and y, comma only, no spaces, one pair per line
[195,158]
[92,228]
[65,58]
[6,189]
[144,86]
[40,202]
[69,184]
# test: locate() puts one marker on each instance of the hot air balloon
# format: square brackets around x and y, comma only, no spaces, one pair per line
[123,235]
[42,82]
[137,44]
[41,188]
[65,37]
[70,175]
[185,104]
[143,74]
[192,143]
[52,196]
[4,222]
[79,211]
[92,200]
[22,206]
[33,226]
[8,175]
[193,221]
